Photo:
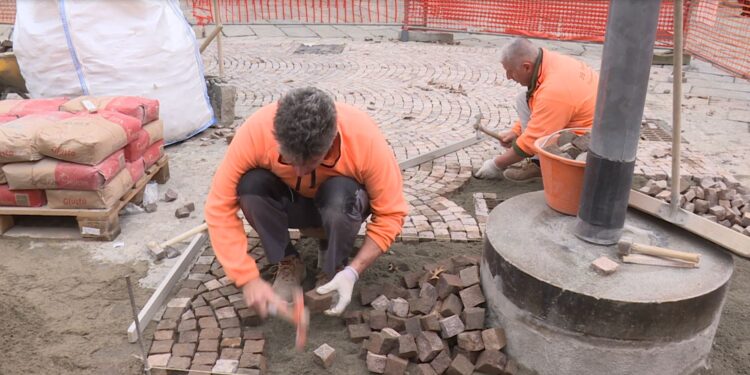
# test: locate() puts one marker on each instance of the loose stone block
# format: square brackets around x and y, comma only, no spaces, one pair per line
[411,279]
[381,343]
[460,366]
[429,346]
[369,293]
[430,322]
[471,341]
[318,303]
[491,362]
[473,318]
[451,326]
[493,338]
[376,363]
[442,361]
[413,325]
[257,361]
[396,322]
[378,319]
[472,296]
[604,266]
[511,367]
[407,346]
[425,369]
[226,366]
[381,303]
[324,355]
[451,306]
[352,317]
[359,332]
[395,365]
[469,276]
[254,346]
[448,284]
[421,305]
[429,292]
[393,291]
[399,307]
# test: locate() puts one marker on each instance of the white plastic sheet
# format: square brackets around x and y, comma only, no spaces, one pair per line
[135,47]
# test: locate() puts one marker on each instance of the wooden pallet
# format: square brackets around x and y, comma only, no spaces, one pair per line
[97,224]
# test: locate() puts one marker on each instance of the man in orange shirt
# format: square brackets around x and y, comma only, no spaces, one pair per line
[561,94]
[305,162]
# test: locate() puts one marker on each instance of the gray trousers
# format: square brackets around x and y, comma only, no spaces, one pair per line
[271,207]
[523,110]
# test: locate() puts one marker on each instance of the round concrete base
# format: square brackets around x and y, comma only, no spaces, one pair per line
[563,318]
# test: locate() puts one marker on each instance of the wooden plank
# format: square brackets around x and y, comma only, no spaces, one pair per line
[161,293]
[6,222]
[735,242]
[655,261]
[415,161]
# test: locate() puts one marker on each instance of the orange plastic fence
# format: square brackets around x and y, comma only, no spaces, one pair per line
[7,11]
[306,11]
[719,32]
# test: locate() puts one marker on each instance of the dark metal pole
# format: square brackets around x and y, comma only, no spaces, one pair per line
[626,62]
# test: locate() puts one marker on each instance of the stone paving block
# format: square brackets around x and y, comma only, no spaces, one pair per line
[429,346]
[317,303]
[411,279]
[448,284]
[208,345]
[352,317]
[179,363]
[378,319]
[430,322]
[159,360]
[231,332]
[452,305]
[407,346]
[381,303]
[231,342]
[421,305]
[381,343]
[254,346]
[183,349]
[210,334]
[256,361]
[395,322]
[231,353]
[399,307]
[472,296]
[469,276]
[471,341]
[460,366]
[473,318]
[161,347]
[249,317]
[225,366]
[395,365]
[251,333]
[425,369]
[451,326]
[359,332]
[604,266]
[205,358]
[493,338]
[324,355]
[369,293]
[248,371]
[376,363]
[413,325]
[491,362]
[164,335]
[208,322]
[229,322]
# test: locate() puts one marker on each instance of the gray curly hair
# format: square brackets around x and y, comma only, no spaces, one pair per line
[305,124]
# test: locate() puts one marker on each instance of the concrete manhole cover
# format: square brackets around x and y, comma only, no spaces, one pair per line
[320,49]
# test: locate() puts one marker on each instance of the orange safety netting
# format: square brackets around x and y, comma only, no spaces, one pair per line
[306,11]
[7,11]
[719,32]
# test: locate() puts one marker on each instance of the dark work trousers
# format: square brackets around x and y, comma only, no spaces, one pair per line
[271,207]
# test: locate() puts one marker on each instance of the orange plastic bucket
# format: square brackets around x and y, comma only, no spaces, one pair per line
[562,178]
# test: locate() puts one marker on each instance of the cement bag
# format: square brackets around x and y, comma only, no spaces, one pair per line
[140,48]
[104,198]
[153,154]
[137,169]
[21,198]
[18,137]
[144,109]
[150,134]
[54,174]
[3,180]
[25,107]
[87,138]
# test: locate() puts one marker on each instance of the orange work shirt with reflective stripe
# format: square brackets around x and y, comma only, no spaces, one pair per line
[364,155]
[565,97]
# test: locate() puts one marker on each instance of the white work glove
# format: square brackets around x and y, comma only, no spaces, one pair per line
[343,284]
[489,171]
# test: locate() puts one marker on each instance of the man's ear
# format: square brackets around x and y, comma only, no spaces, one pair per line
[527,66]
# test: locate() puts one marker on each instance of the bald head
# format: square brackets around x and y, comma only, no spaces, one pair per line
[518,60]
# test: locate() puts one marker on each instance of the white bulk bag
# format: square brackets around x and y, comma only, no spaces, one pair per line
[135,47]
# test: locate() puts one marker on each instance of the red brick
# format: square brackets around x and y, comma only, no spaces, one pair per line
[324,355]
[491,362]
[460,366]
[493,338]
[472,296]
[395,365]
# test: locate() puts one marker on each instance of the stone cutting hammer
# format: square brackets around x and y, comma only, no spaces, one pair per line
[161,250]
[296,314]
[627,247]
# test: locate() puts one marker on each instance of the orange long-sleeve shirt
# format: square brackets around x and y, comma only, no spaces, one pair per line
[364,155]
[565,97]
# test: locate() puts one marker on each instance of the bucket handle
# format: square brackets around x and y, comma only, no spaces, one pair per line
[544,144]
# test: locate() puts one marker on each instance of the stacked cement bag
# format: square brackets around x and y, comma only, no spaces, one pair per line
[88,154]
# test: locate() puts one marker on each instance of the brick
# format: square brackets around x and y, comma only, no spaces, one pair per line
[210,334]
[452,305]
[159,360]
[407,346]
[252,334]
[368,293]
[376,363]
[381,303]
[473,318]
[411,279]
[378,319]
[448,284]
[352,317]
[471,341]
[324,355]
[413,325]
[164,335]
[429,346]
[184,349]
[161,347]
[425,369]
[399,307]
[225,366]
[491,362]
[257,361]
[254,346]
[231,353]
[442,361]
[231,342]
[460,366]
[604,266]
[317,303]
[179,363]
[493,338]
[451,326]
[469,276]
[358,332]
[395,365]
[430,322]
[208,345]
[396,322]
[472,296]
[205,358]
[380,343]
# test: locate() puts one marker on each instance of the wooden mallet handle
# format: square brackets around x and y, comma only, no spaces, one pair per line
[662,252]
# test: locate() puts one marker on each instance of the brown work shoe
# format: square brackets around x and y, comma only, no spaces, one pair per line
[289,275]
[525,170]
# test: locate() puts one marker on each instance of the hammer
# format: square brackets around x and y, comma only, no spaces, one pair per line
[298,315]
[161,250]
[627,247]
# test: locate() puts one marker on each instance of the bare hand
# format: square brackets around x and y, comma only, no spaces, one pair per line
[507,138]
[260,296]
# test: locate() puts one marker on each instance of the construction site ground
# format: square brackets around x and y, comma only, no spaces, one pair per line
[64,302]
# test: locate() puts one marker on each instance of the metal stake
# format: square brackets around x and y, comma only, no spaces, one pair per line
[146,369]
[676,108]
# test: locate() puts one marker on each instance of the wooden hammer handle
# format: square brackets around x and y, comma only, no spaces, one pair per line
[487,131]
[662,252]
[185,235]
